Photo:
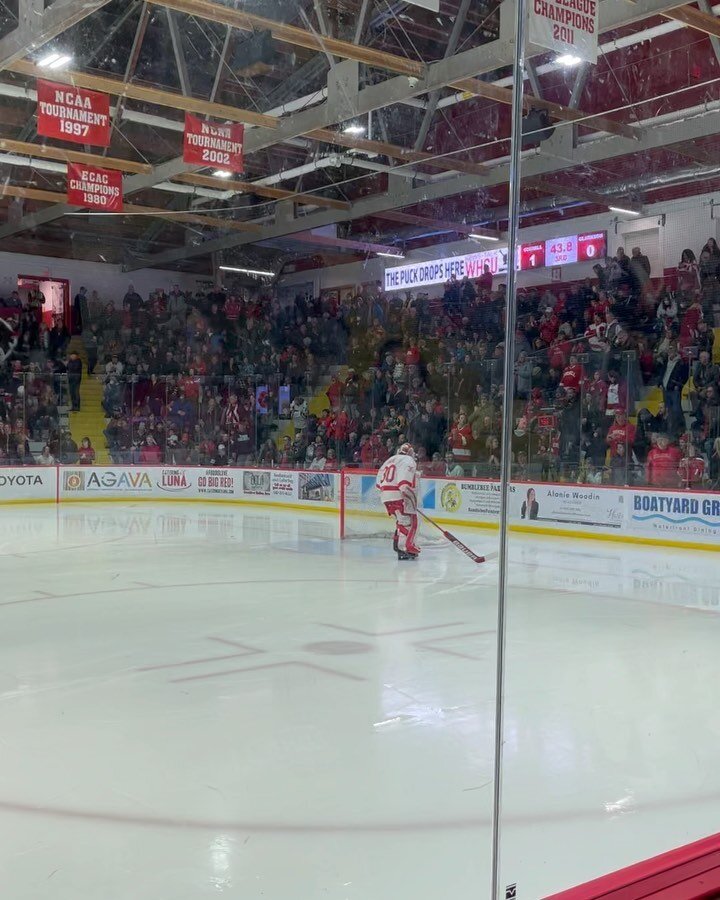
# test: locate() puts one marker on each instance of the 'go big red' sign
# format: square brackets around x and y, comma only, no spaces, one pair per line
[565,26]
[73,114]
[94,188]
[206,144]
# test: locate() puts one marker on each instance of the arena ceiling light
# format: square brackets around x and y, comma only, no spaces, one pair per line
[483,237]
[391,255]
[258,272]
[623,211]
[54,61]
[353,129]
[568,60]
[222,173]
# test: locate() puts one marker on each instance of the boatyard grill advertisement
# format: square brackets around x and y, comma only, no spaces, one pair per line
[559,505]
[73,114]
[206,144]
[668,514]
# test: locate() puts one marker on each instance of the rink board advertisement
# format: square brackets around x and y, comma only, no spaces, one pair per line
[464,501]
[674,515]
[647,515]
[28,485]
[311,489]
[563,505]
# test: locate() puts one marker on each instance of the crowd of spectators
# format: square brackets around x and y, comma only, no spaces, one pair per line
[218,378]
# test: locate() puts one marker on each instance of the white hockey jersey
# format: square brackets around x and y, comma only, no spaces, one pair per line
[399,471]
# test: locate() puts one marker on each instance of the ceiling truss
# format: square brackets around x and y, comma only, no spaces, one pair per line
[398,80]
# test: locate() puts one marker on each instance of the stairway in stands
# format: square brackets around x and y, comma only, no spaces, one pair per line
[316,403]
[90,421]
[653,395]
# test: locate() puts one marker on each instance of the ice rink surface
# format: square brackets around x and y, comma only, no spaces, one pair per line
[226,702]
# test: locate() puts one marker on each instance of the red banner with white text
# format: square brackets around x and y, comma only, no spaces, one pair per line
[73,114]
[94,188]
[206,144]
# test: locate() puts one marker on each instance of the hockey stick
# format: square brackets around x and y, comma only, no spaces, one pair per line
[458,543]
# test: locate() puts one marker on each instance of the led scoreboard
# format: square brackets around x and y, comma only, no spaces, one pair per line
[563,251]
[532,256]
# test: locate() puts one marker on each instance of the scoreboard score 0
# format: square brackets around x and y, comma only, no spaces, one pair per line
[592,246]
[563,251]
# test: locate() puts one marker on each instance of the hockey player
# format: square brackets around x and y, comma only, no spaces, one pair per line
[397,483]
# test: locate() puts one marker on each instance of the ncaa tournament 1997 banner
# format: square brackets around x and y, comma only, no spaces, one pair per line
[569,27]
[73,114]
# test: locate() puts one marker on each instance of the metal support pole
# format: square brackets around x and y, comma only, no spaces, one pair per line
[515,175]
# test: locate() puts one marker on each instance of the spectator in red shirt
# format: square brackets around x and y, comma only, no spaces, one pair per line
[572,375]
[232,308]
[620,432]
[691,469]
[595,333]
[86,453]
[485,281]
[662,463]
[597,393]
[412,355]
[549,326]
[150,452]
[461,438]
[334,391]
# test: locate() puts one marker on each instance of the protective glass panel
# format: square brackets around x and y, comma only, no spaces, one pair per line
[612,454]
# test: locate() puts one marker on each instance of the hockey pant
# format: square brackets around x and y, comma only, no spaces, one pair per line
[406,521]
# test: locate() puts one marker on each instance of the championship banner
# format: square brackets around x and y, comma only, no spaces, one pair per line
[73,114]
[568,27]
[205,144]
[94,188]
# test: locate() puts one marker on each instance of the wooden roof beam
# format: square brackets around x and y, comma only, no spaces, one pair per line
[695,18]
[291,34]
[118,88]
[25,193]
[447,164]
[261,190]
[425,222]
[44,151]
[561,190]
[598,122]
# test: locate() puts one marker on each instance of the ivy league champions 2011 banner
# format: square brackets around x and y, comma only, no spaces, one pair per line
[73,114]
[569,27]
